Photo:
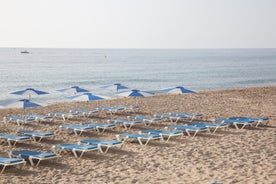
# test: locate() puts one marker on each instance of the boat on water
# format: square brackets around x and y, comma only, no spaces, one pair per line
[25,52]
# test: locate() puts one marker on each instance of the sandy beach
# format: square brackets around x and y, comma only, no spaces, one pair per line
[228,156]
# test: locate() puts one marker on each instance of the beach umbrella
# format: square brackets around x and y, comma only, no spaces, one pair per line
[74,90]
[135,93]
[115,87]
[85,97]
[23,103]
[29,92]
[177,90]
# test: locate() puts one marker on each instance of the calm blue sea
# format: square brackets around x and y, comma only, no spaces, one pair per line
[145,69]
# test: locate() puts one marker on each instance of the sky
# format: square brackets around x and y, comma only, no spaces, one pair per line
[138,23]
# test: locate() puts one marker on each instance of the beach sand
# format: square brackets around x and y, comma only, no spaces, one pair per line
[228,156]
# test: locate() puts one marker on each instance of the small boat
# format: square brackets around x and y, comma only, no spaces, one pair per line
[25,52]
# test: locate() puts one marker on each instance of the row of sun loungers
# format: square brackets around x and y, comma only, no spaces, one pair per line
[190,128]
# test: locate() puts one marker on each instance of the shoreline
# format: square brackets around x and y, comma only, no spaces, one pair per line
[231,156]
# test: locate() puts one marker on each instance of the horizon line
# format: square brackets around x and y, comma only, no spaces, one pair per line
[145,48]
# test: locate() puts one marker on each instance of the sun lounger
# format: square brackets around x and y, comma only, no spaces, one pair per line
[41,118]
[17,119]
[4,162]
[76,148]
[65,116]
[140,137]
[172,118]
[86,113]
[130,108]
[13,139]
[188,129]
[175,117]
[33,156]
[165,134]
[104,145]
[258,121]
[100,127]
[112,110]
[146,120]
[126,123]
[36,135]
[236,122]
[211,126]
[188,116]
[78,129]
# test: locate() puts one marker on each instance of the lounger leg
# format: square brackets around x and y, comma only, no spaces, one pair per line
[162,138]
[32,162]
[102,150]
[215,130]
[80,154]
[140,141]
[168,138]
[4,166]
[235,124]
[188,133]
[195,133]
[23,165]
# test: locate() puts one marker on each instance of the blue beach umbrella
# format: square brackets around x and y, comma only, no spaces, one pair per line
[115,87]
[74,90]
[85,97]
[177,90]
[135,93]
[23,103]
[29,92]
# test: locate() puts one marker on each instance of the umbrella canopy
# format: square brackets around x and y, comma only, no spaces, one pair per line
[23,103]
[177,90]
[85,97]
[29,92]
[135,93]
[74,90]
[115,87]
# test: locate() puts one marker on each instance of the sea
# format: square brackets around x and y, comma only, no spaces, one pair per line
[143,69]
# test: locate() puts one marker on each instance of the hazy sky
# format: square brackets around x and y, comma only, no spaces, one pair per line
[138,23]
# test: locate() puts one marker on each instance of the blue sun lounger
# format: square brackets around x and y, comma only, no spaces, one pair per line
[172,118]
[164,134]
[75,148]
[35,135]
[4,162]
[146,120]
[13,139]
[125,122]
[140,137]
[175,117]
[112,110]
[86,113]
[130,108]
[189,116]
[100,127]
[17,119]
[41,118]
[258,121]
[33,156]
[211,126]
[188,128]
[77,129]
[104,145]
[64,115]
[236,122]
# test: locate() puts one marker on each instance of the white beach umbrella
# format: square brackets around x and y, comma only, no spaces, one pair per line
[115,87]
[29,92]
[177,90]
[74,90]
[135,93]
